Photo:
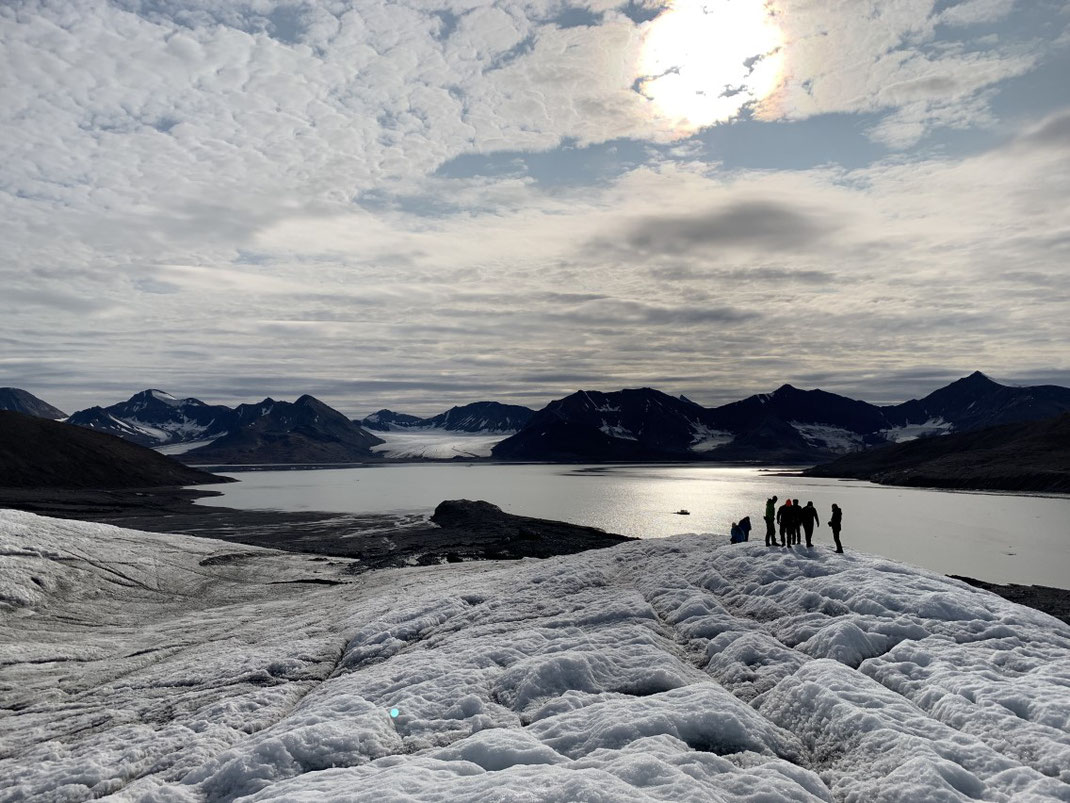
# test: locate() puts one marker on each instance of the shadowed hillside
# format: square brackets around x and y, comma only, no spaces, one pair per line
[38,453]
[1031,456]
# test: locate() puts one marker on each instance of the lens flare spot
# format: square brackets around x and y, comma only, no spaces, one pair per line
[394,713]
[703,61]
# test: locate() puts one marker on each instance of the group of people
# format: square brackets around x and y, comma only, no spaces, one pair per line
[794,522]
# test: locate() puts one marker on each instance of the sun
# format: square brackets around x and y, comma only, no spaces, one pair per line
[704,60]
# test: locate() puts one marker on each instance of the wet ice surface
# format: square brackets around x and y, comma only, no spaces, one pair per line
[157,667]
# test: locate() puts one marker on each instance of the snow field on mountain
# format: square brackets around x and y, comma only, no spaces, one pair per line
[172,668]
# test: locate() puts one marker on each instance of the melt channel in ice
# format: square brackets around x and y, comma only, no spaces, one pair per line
[169,668]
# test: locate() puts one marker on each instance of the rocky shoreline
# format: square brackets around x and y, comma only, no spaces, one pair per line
[459,530]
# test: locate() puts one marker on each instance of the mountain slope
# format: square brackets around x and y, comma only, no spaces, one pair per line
[484,416]
[1029,456]
[387,420]
[631,424]
[153,418]
[20,401]
[38,453]
[305,431]
[976,402]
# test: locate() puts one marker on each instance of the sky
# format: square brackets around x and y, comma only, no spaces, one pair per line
[422,203]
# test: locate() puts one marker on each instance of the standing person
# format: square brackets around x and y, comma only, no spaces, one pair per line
[744,527]
[809,519]
[796,521]
[770,514]
[835,523]
[783,516]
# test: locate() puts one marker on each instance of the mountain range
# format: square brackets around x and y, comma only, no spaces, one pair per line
[788,425]
[484,416]
[153,417]
[1024,456]
[305,431]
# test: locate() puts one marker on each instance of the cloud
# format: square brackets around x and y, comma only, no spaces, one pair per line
[261,184]
[975,12]
[764,224]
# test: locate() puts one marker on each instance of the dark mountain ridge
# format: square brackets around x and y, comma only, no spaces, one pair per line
[483,416]
[304,431]
[976,402]
[1024,456]
[153,417]
[788,425]
[39,453]
[21,401]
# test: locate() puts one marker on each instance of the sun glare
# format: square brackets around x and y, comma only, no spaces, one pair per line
[704,60]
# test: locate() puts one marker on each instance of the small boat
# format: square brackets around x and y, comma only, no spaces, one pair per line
[682,512]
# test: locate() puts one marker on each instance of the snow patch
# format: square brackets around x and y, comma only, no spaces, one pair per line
[706,439]
[617,431]
[833,439]
[909,432]
[182,448]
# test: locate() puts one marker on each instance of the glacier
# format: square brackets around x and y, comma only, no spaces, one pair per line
[140,666]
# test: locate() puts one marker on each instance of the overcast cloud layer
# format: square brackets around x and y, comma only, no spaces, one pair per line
[417,204]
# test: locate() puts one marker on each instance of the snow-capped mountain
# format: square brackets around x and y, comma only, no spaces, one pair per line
[304,431]
[20,401]
[1024,456]
[484,416]
[787,425]
[975,402]
[488,417]
[632,424]
[669,669]
[388,421]
[153,418]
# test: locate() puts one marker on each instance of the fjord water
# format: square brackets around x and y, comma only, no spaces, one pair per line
[1003,538]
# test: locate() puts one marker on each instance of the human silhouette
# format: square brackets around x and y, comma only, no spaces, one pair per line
[796,521]
[783,518]
[835,523]
[744,526]
[737,534]
[809,519]
[770,515]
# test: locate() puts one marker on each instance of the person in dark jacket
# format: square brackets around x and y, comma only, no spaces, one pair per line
[796,521]
[744,527]
[783,518]
[737,534]
[770,515]
[809,519]
[835,523]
